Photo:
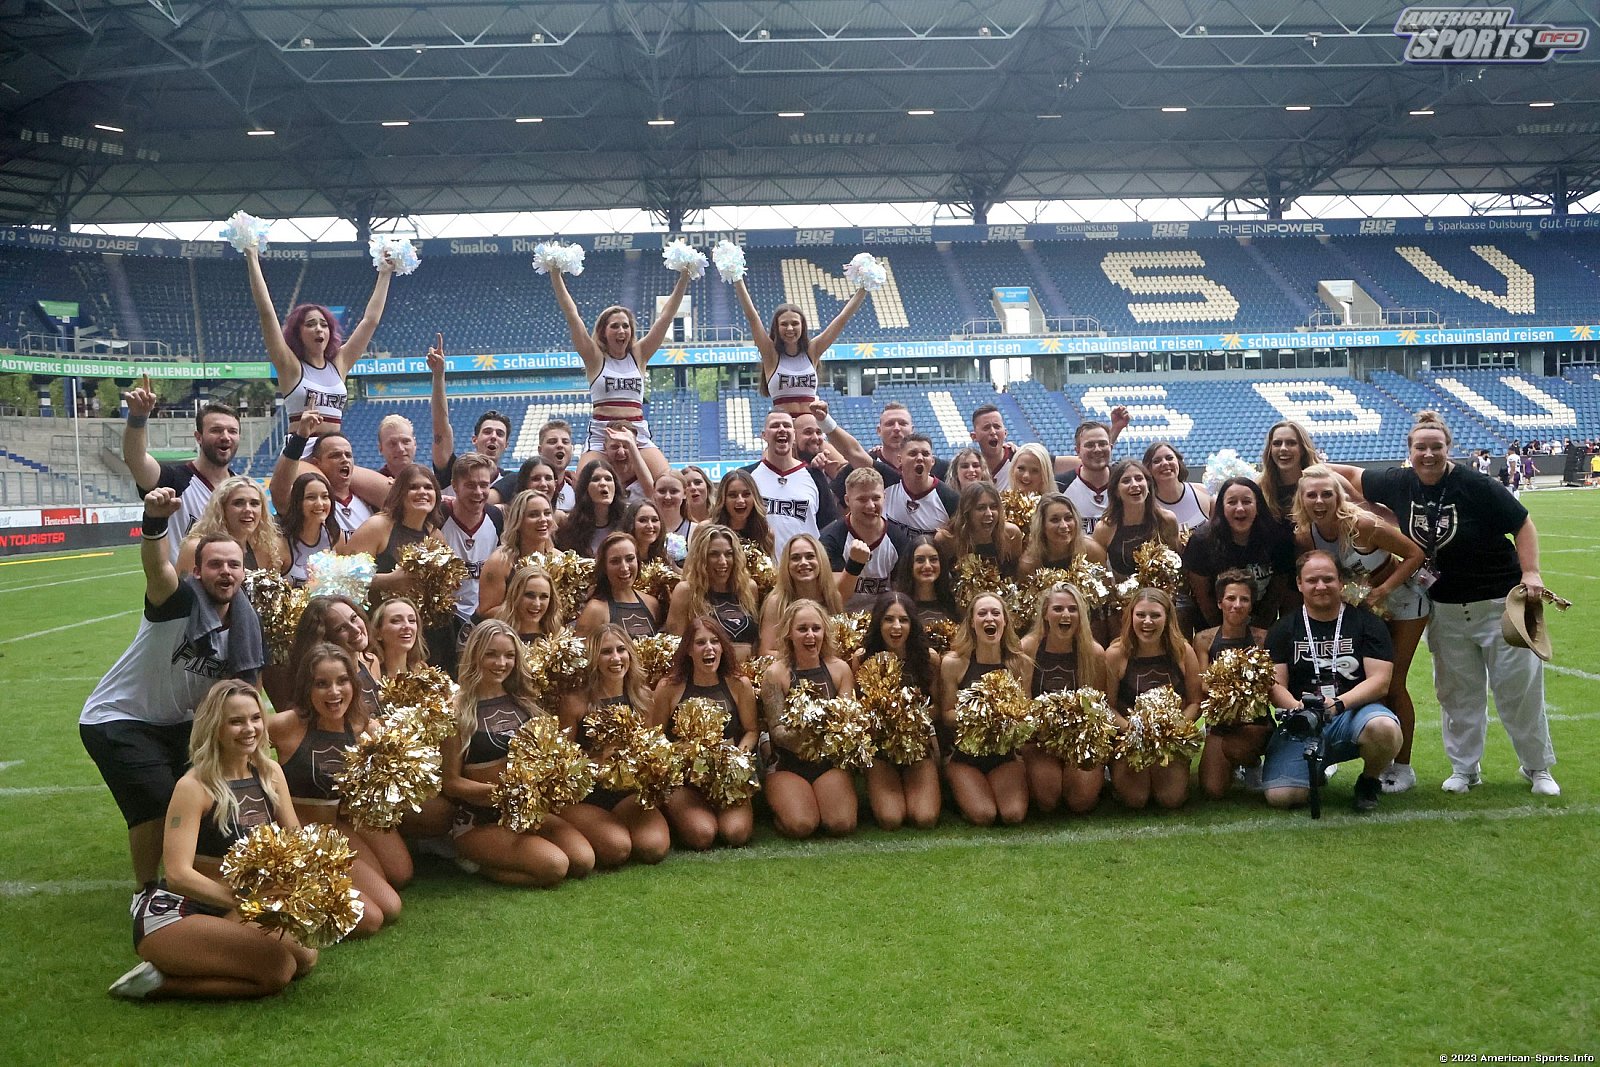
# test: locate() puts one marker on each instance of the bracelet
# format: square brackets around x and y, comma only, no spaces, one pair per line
[136,422]
[294,446]
[154,526]
[829,423]
[852,566]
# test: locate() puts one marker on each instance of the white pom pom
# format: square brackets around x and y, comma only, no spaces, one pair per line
[330,574]
[243,231]
[864,272]
[679,256]
[1223,465]
[729,259]
[396,251]
[554,256]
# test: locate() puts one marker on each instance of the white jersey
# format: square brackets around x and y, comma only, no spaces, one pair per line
[1187,510]
[194,493]
[350,513]
[793,501]
[619,384]
[1090,502]
[475,546]
[565,498]
[1002,477]
[794,381]
[160,678]
[320,390]
[300,554]
[877,577]
[920,514]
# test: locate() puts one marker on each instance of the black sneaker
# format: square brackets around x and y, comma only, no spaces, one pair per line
[1367,792]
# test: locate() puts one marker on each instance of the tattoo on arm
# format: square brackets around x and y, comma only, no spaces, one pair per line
[175,822]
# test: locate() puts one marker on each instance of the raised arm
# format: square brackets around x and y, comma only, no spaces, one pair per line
[160,576]
[758,330]
[146,471]
[840,438]
[647,345]
[287,468]
[284,361]
[830,333]
[582,343]
[355,346]
[444,437]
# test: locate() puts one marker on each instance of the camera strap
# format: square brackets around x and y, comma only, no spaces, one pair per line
[1328,689]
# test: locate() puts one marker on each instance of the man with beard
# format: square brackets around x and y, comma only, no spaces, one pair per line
[472,531]
[216,436]
[194,632]
[894,430]
[491,434]
[333,457]
[1089,486]
[918,499]
[796,494]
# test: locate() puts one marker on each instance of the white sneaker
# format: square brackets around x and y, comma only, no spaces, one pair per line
[1461,781]
[1543,784]
[138,983]
[1397,778]
[1329,770]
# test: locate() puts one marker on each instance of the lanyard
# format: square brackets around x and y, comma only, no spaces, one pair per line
[1311,640]
[1431,506]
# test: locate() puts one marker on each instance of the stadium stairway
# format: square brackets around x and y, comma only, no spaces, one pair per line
[1295,294]
[1520,407]
[1467,429]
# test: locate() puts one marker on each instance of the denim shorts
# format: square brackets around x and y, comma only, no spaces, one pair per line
[1285,766]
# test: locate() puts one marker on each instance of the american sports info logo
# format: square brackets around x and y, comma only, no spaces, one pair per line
[1482,35]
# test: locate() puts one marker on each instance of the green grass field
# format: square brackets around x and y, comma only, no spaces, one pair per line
[1221,934]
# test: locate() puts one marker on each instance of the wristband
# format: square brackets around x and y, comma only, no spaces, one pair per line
[154,526]
[294,446]
[829,423]
[1338,706]
[853,566]
[136,422]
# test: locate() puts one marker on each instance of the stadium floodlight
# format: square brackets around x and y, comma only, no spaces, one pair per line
[396,122]
[1532,103]
[526,119]
[109,129]
[1297,107]
[261,133]
[791,114]
[1422,111]
[1174,110]
[1047,116]
[659,121]
[920,111]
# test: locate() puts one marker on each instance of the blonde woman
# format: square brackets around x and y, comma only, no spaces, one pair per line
[806,794]
[1062,655]
[530,607]
[529,522]
[238,509]
[1031,470]
[802,575]
[1056,537]
[1151,653]
[985,788]
[715,583]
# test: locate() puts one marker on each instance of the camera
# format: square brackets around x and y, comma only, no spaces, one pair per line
[1304,722]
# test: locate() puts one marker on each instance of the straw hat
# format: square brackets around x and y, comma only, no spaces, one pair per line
[1523,626]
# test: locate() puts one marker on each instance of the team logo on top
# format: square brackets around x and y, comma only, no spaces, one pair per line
[1458,34]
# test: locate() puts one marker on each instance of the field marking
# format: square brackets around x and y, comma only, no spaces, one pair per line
[52,559]
[6,765]
[66,581]
[1571,672]
[56,889]
[1285,821]
[47,790]
[1574,574]
[69,626]
[1569,551]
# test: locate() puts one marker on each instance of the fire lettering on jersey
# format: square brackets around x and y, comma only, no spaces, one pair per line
[872,585]
[620,385]
[797,381]
[316,399]
[795,509]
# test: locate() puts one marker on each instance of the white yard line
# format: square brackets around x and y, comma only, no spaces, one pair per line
[1571,672]
[69,626]
[67,581]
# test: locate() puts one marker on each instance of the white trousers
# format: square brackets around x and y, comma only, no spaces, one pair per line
[1470,657]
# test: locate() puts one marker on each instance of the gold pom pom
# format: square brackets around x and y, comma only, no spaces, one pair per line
[658,579]
[754,669]
[902,716]
[724,773]
[847,630]
[974,574]
[994,717]
[544,773]
[803,715]
[1355,593]
[436,573]
[1238,687]
[1157,566]
[426,693]
[1076,727]
[940,633]
[646,764]
[699,721]
[557,663]
[296,882]
[389,773]
[1030,589]
[846,740]
[571,574]
[1019,507]
[610,726]
[655,654]
[278,604]
[1158,732]
[1094,581]
[761,569]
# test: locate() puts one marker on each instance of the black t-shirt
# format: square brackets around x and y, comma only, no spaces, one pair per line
[1462,524]
[878,576]
[1362,636]
[1211,551]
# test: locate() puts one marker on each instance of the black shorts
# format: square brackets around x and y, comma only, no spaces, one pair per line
[808,769]
[982,763]
[141,763]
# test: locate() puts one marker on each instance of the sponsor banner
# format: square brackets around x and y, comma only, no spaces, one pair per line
[133,513]
[847,240]
[67,367]
[22,517]
[16,541]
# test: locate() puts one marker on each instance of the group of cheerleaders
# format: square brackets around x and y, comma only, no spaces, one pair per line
[1238,580]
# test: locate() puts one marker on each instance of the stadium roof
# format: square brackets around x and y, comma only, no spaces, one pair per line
[1029,99]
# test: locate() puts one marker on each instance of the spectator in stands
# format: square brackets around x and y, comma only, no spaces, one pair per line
[1056,537]
[863,546]
[333,456]
[472,530]
[397,443]
[1374,554]
[1150,653]
[614,361]
[194,630]
[791,359]
[1480,544]
[529,522]
[622,449]
[1240,536]
[238,509]
[307,523]
[311,358]
[555,448]
[491,434]
[697,502]
[1231,745]
[1288,451]
[1190,504]
[1132,518]
[410,514]
[917,499]
[1340,657]
[741,509]
[802,575]
[796,496]
[216,438]
[597,510]
[979,529]
[967,468]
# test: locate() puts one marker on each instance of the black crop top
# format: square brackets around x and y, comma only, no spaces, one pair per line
[585,741]
[1220,644]
[498,719]
[1145,673]
[1124,543]
[309,772]
[742,628]
[731,730]
[1054,672]
[634,618]
[255,809]
[399,537]
[976,670]
[818,676]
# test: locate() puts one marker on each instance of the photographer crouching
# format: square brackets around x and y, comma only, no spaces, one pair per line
[1334,662]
